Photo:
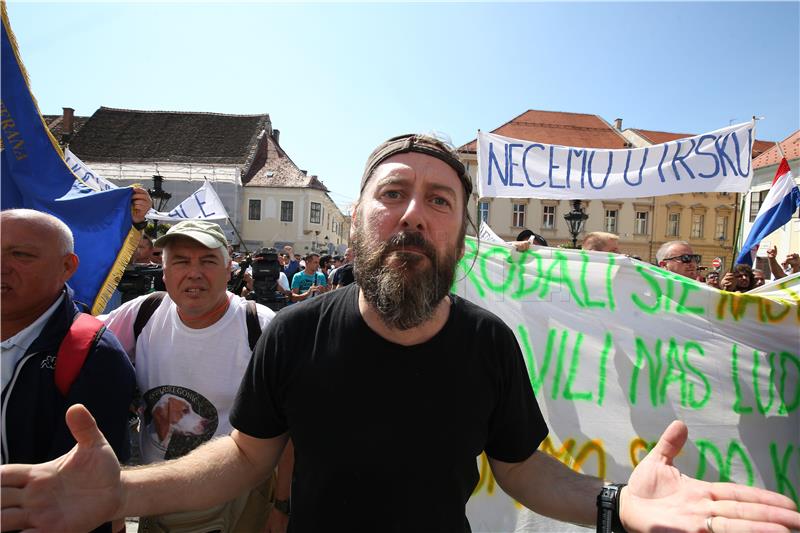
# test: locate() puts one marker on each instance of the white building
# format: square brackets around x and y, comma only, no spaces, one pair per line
[129,146]
[285,205]
[267,197]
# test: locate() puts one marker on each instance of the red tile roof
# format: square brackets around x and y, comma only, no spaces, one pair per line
[658,137]
[790,146]
[555,127]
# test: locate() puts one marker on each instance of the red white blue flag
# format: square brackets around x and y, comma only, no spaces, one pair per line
[782,200]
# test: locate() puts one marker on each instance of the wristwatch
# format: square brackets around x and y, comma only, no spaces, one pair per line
[608,509]
[283,506]
[140,225]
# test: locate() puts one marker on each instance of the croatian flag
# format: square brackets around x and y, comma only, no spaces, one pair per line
[782,200]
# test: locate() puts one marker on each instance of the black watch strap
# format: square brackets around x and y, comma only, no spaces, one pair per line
[284,506]
[608,509]
[140,225]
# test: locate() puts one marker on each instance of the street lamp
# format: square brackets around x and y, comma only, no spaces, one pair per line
[158,193]
[576,220]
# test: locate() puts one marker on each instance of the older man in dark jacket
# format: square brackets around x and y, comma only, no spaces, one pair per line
[36,315]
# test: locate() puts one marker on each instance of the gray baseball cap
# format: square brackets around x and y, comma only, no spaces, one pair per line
[209,234]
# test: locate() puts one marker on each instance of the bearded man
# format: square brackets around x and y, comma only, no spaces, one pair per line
[390,389]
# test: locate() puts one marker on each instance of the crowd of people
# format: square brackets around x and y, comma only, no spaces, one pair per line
[679,257]
[338,412]
[300,277]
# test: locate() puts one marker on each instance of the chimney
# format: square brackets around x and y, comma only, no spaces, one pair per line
[618,124]
[276,134]
[67,121]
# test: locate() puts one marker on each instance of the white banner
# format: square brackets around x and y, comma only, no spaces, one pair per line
[616,349]
[86,175]
[487,234]
[717,161]
[202,204]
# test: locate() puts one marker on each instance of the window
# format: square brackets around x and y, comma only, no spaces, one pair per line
[548,217]
[611,220]
[721,232]
[756,199]
[697,226]
[287,211]
[254,210]
[328,224]
[483,212]
[640,227]
[674,225]
[316,213]
[518,216]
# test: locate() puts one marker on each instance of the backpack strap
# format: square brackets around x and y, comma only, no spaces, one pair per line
[153,301]
[253,325]
[74,348]
[146,310]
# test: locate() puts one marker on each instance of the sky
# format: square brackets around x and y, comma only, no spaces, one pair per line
[339,78]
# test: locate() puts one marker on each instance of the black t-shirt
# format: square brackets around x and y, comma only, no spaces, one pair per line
[344,275]
[386,436]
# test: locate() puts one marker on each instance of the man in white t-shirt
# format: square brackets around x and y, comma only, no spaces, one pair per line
[192,351]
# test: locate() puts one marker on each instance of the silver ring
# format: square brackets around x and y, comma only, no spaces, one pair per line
[708,524]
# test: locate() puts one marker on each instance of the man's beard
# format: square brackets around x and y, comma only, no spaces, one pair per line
[403,296]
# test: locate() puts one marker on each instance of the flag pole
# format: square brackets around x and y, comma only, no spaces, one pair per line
[780,151]
[237,235]
[736,234]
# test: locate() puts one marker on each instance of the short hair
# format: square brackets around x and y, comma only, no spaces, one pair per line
[526,234]
[597,240]
[66,242]
[742,268]
[310,256]
[664,250]
[225,257]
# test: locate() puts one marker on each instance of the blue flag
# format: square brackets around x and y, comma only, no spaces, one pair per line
[35,176]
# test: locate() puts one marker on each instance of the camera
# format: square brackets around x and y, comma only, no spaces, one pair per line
[266,271]
[138,280]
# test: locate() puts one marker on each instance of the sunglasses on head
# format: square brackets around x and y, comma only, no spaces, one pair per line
[685,258]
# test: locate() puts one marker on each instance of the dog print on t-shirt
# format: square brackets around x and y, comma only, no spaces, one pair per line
[176,420]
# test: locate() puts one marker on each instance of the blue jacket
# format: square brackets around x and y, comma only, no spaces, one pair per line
[33,426]
[291,269]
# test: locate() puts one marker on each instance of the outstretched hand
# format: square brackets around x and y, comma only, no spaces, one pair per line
[659,497]
[76,492]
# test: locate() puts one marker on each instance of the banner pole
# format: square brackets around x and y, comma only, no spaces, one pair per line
[236,231]
[737,232]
